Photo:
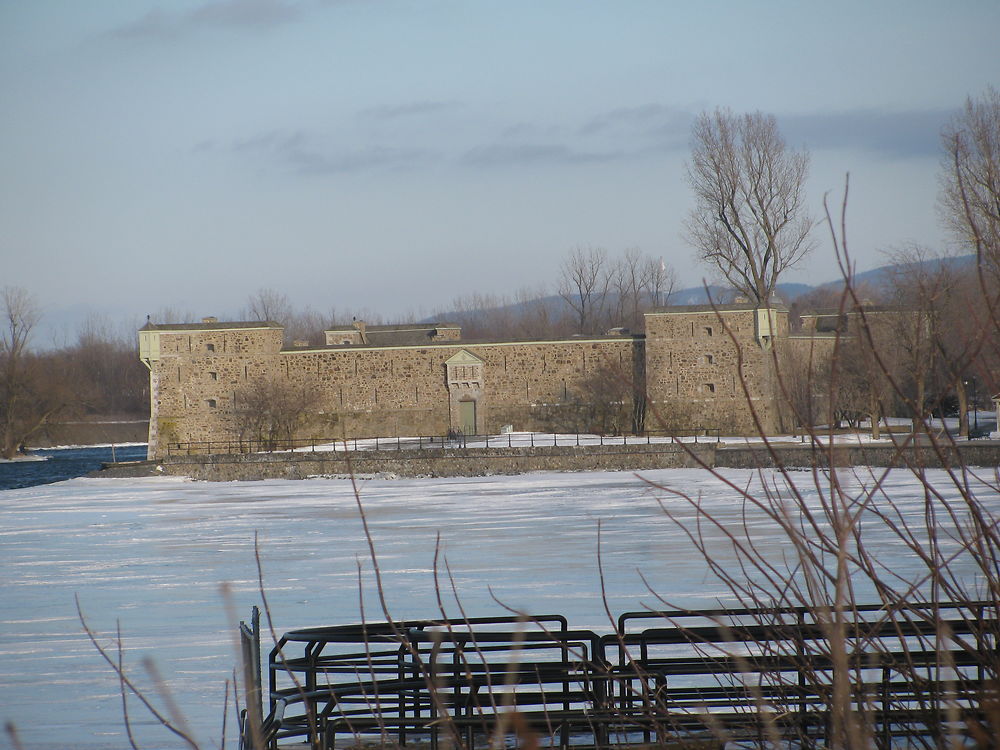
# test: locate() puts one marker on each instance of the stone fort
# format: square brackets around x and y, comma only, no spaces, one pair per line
[694,367]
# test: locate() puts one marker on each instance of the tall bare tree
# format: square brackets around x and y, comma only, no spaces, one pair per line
[749,220]
[25,404]
[268,305]
[583,284]
[970,185]
[660,280]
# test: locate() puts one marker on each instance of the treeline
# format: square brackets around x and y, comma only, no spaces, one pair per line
[98,374]
[921,345]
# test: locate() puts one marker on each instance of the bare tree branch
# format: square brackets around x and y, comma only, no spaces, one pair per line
[749,221]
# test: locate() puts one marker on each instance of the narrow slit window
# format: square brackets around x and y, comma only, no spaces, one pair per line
[708,330]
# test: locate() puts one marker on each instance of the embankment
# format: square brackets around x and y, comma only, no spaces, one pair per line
[493,461]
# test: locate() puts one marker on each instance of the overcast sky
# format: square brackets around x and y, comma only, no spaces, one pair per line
[390,155]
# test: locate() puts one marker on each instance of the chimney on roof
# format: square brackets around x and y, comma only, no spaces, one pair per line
[210,319]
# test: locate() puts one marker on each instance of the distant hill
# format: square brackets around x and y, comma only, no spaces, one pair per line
[699,295]
[881,276]
[555,306]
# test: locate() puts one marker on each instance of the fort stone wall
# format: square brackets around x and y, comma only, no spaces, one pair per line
[713,368]
[694,367]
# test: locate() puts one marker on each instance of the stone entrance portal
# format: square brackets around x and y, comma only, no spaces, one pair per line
[465,393]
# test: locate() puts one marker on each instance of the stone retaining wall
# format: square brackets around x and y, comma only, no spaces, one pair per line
[978,453]
[418,463]
[499,461]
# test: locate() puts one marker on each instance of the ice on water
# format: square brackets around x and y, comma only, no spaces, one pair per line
[154,554]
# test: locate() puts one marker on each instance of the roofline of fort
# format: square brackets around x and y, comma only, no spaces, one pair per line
[462,343]
[851,310]
[270,324]
[402,327]
[230,326]
[729,307]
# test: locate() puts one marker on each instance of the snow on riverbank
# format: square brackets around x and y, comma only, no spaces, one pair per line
[154,553]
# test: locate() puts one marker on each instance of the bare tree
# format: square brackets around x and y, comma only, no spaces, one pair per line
[306,325]
[25,401]
[270,411]
[583,284]
[659,280]
[628,282]
[749,221]
[970,190]
[106,376]
[268,305]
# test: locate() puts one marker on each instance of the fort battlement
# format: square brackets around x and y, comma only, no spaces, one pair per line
[701,365]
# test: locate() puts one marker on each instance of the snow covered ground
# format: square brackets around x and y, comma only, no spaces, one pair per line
[153,554]
[986,420]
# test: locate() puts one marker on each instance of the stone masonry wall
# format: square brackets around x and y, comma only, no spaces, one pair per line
[695,364]
[195,379]
[702,366]
[430,463]
[363,391]
[500,461]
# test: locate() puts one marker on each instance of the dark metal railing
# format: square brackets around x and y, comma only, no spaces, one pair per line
[456,440]
[742,674]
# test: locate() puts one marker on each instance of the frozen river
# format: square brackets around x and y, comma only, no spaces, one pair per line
[153,555]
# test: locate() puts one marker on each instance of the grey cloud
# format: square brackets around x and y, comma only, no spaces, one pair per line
[529,131]
[667,126]
[275,140]
[238,14]
[373,157]
[392,112]
[892,134]
[154,23]
[304,155]
[250,13]
[501,154]
[915,133]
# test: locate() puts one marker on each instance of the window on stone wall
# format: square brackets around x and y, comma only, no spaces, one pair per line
[213,375]
[709,388]
[210,347]
[709,359]
[212,403]
[708,330]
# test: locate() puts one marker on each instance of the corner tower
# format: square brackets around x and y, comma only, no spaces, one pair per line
[194,372]
[713,367]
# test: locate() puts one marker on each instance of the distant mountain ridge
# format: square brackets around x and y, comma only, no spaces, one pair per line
[556,306]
